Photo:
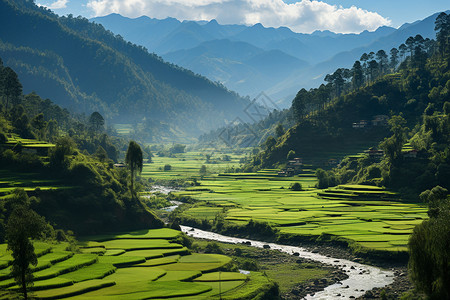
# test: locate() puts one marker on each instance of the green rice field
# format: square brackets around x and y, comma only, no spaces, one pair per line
[374,218]
[187,165]
[136,265]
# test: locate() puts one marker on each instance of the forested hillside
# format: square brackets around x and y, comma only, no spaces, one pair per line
[393,99]
[85,68]
[65,164]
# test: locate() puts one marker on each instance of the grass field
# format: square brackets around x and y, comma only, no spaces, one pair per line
[127,273]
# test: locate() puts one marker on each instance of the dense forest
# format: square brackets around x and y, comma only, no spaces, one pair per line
[410,88]
[85,68]
[90,195]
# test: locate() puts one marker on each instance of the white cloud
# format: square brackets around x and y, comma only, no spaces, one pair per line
[303,16]
[58,4]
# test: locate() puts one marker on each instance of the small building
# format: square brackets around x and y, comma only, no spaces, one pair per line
[375,154]
[360,124]
[282,173]
[380,120]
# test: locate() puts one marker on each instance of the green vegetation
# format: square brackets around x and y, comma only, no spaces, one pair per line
[429,247]
[125,84]
[91,276]
[66,164]
[369,218]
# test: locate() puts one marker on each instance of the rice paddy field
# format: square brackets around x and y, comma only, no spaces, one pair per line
[187,165]
[29,181]
[138,265]
[374,218]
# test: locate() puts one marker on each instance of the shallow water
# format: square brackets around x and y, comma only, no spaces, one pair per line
[162,189]
[361,277]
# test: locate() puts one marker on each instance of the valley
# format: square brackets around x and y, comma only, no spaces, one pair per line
[301,156]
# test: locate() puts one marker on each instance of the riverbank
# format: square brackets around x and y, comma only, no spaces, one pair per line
[361,278]
[295,276]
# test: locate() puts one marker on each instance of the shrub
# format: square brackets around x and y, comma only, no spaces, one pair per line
[213,247]
[167,167]
[296,186]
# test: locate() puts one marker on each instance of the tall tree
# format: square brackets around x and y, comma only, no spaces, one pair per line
[402,49]
[134,161]
[358,76]
[394,58]
[279,130]
[96,121]
[442,27]
[364,58]
[23,225]
[299,104]
[382,59]
[12,88]
[40,124]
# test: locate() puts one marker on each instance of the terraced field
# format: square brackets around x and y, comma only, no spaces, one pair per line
[138,265]
[374,218]
[187,165]
[11,179]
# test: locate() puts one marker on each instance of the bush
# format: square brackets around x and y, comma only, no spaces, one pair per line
[296,187]
[167,167]
[213,247]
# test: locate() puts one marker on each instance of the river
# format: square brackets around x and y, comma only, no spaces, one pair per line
[361,278]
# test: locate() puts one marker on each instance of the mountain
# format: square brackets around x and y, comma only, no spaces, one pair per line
[313,76]
[238,65]
[85,68]
[189,44]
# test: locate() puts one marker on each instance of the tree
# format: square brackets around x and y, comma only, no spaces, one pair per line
[23,224]
[52,130]
[299,104]
[382,59]
[373,67]
[40,124]
[279,130]
[442,28]
[394,58]
[134,161]
[12,88]
[364,58]
[402,49]
[202,170]
[358,75]
[270,143]
[393,145]
[101,154]
[96,121]
[296,186]
[429,248]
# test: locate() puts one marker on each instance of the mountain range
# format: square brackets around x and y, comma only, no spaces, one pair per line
[83,67]
[251,59]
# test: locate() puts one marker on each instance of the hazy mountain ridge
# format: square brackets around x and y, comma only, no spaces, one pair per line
[191,45]
[81,66]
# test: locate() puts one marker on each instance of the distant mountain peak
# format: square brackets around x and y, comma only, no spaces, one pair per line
[258,26]
[213,22]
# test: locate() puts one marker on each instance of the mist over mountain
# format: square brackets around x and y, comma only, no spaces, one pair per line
[220,52]
[85,68]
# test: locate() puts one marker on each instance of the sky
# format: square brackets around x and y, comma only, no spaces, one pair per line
[342,16]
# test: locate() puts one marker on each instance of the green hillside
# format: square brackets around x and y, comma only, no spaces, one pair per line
[83,67]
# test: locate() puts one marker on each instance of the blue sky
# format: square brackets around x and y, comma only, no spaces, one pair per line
[301,16]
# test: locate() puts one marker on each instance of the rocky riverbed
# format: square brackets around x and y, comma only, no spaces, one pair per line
[361,277]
